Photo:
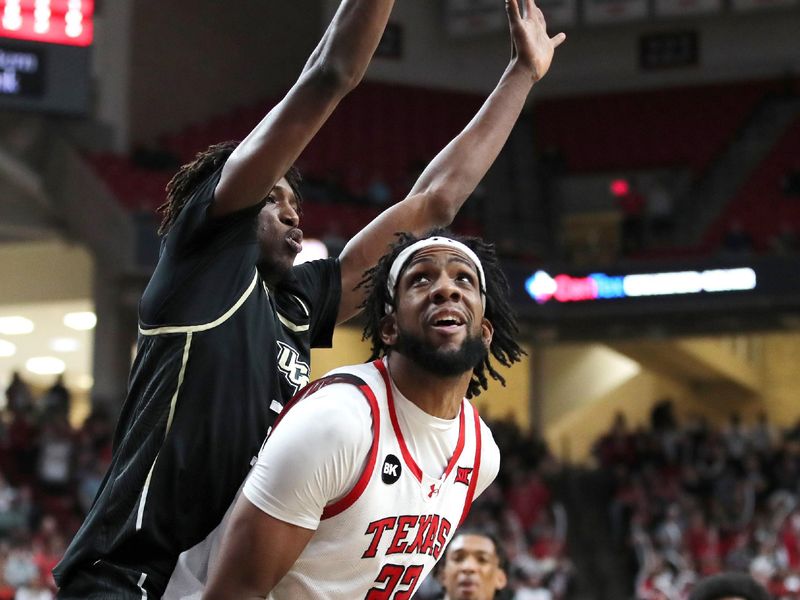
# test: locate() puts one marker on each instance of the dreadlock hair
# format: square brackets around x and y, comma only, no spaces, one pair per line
[503,347]
[191,175]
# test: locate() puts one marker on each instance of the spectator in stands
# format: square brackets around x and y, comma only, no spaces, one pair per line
[762,435]
[7,591]
[228,316]
[660,210]
[56,400]
[767,563]
[34,589]
[19,399]
[56,456]
[22,434]
[616,446]
[735,436]
[20,568]
[474,567]
[528,496]
[633,205]
[11,518]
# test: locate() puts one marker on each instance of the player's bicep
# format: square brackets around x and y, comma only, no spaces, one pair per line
[257,551]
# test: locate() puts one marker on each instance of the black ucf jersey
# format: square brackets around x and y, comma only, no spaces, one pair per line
[218,354]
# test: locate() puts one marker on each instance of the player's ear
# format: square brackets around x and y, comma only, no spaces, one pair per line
[500,579]
[487,332]
[388,330]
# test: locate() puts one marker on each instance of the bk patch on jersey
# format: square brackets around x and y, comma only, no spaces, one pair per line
[390,472]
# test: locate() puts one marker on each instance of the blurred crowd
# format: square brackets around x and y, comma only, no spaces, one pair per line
[49,474]
[688,500]
[693,500]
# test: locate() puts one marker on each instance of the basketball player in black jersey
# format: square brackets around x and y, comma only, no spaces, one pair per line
[226,323]
[474,566]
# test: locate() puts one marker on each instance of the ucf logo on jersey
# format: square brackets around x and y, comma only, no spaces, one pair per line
[296,371]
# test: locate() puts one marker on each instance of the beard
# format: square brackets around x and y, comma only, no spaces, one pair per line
[444,363]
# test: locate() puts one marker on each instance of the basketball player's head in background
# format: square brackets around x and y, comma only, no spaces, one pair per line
[279,234]
[408,312]
[729,586]
[474,566]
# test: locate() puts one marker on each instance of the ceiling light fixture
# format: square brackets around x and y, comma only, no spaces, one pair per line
[45,365]
[7,348]
[82,321]
[15,325]
[64,344]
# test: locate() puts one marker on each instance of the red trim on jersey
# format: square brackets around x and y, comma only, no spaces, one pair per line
[409,460]
[347,500]
[474,481]
[354,494]
[313,387]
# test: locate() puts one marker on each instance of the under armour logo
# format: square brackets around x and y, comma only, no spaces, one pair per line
[462,475]
[434,490]
[390,472]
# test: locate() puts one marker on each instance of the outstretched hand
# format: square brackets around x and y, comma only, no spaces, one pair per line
[531,46]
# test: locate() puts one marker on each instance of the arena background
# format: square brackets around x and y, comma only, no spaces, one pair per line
[697,102]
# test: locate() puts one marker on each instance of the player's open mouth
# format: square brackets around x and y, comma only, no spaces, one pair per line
[295,240]
[447,321]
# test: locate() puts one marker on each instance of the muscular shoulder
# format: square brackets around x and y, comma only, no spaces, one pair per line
[335,413]
[313,456]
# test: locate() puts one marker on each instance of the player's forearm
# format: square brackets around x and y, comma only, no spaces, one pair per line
[456,171]
[350,41]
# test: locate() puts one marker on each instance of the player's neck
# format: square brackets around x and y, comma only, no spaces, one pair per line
[438,396]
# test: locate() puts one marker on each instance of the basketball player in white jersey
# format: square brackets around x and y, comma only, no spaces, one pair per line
[369,471]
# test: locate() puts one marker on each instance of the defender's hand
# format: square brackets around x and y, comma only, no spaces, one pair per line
[531,46]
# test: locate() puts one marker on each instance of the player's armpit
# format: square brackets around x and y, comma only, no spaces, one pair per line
[257,551]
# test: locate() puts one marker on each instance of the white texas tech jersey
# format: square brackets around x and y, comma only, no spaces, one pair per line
[383,538]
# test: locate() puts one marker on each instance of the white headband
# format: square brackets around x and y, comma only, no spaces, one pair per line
[405,255]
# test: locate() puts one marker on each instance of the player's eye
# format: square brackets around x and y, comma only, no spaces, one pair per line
[419,277]
[466,277]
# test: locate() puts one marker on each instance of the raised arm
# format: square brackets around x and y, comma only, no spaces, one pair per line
[455,172]
[335,67]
